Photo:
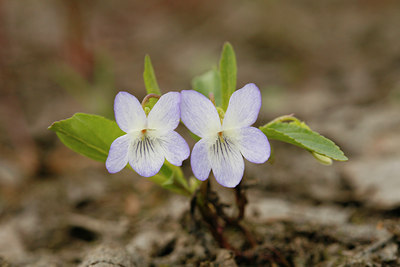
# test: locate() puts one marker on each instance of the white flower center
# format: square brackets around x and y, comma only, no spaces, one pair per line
[144,144]
[222,145]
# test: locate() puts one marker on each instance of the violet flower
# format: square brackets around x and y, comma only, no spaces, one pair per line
[225,141]
[149,140]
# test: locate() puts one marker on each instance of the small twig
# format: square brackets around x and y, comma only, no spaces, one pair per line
[376,246]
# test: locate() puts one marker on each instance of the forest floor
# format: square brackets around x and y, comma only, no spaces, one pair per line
[337,71]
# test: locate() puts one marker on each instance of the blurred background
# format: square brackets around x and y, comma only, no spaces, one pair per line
[334,64]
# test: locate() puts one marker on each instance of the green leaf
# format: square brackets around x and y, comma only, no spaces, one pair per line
[150,81]
[175,181]
[171,178]
[228,71]
[194,184]
[207,83]
[299,134]
[88,135]
[92,136]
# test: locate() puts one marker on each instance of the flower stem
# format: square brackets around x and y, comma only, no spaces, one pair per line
[212,212]
[209,215]
[147,98]
[241,201]
[284,118]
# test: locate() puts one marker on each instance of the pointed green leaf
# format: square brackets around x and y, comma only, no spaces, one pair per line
[299,134]
[209,83]
[149,77]
[150,81]
[228,72]
[88,135]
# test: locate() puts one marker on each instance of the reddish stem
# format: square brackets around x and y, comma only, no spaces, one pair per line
[147,98]
[212,212]
[241,201]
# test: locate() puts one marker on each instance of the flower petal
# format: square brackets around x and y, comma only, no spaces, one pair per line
[199,160]
[226,162]
[118,154]
[146,156]
[243,108]
[199,114]
[165,114]
[253,145]
[175,148]
[129,113]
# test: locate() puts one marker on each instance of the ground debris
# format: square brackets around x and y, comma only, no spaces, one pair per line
[108,255]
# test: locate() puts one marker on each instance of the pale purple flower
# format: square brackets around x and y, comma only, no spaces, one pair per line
[225,142]
[149,140]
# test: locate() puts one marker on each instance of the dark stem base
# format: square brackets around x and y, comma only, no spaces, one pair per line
[213,213]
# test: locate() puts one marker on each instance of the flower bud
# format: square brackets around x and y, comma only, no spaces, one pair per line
[322,159]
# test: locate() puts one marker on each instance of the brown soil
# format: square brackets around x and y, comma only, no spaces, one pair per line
[335,64]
